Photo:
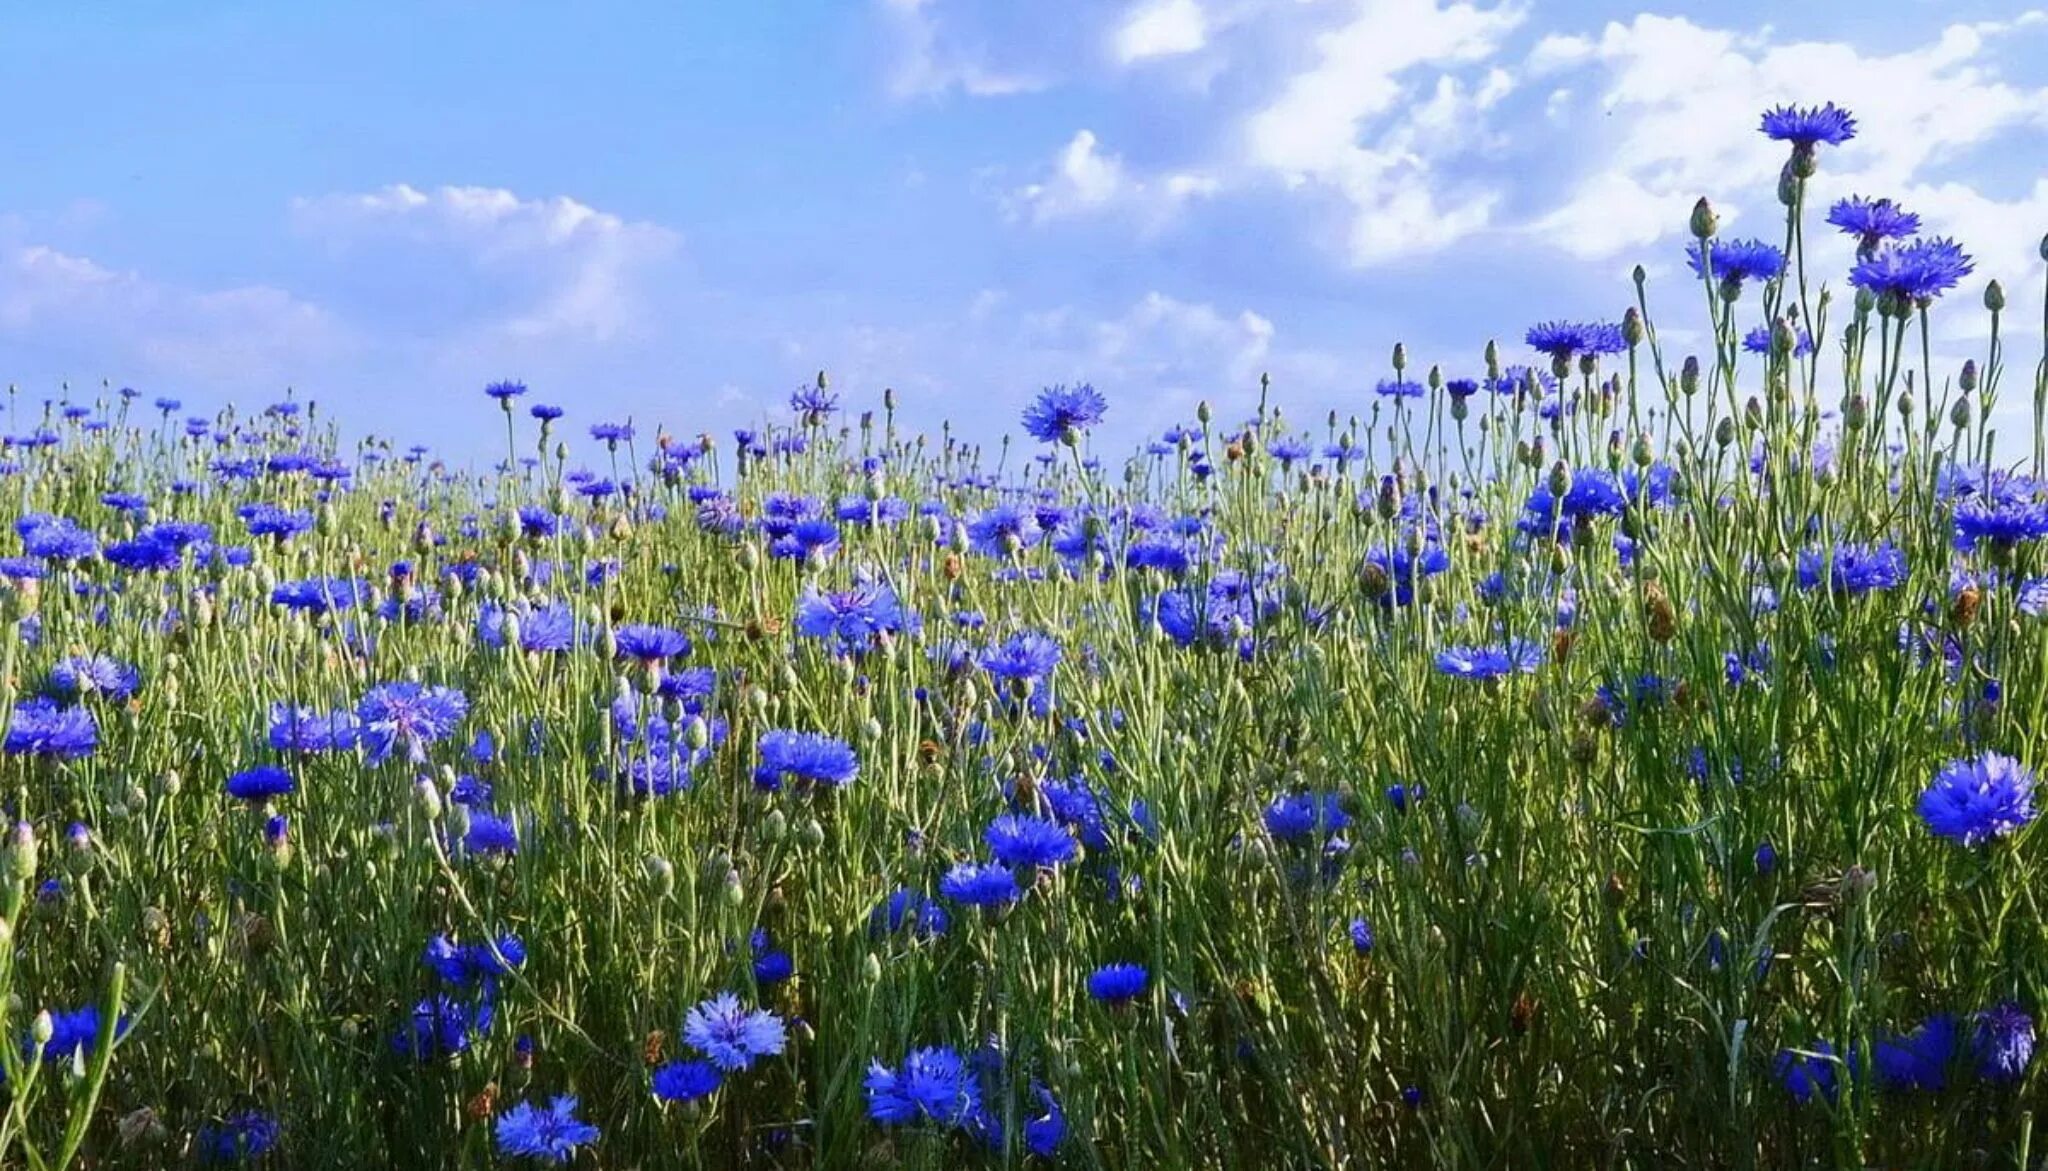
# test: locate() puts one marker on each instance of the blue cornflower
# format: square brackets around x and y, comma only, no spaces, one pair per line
[1914,273]
[268,520]
[1974,801]
[1853,569]
[1592,492]
[906,909]
[813,404]
[1806,128]
[850,619]
[2003,521]
[1060,413]
[1398,388]
[650,644]
[772,965]
[412,714]
[319,595]
[545,412]
[82,675]
[1024,842]
[442,1026]
[1917,1060]
[1807,1074]
[686,1081]
[1024,657]
[1564,340]
[40,727]
[72,1032]
[1490,662]
[1044,1134]
[1758,341]
[810,539]
[1119,983]
[1735,261]
[240,1137]
[472,965]
[808,758]
[731,1037]
[1362,938]
[1873,221]
[56,539]
[980,884]
[1003,529]
[932,1084]
[490,834]
[298,729]
[548,628]
[265,782]
[144,554]
[549,1133]
[611,434]
[2003,1042]
[1300,817]
[505,391]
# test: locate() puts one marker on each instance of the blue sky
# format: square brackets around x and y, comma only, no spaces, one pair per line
[678,212]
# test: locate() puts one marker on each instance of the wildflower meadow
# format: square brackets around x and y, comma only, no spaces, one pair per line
[1591,752]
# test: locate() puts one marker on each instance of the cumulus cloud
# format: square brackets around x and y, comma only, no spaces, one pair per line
[1160,28]
[581,271]
[86,318]
[1085,179]
[934,56]
[1677,103]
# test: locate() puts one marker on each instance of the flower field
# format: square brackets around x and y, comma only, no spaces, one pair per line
[1597,752]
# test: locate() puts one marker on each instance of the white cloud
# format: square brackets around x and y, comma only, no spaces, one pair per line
[1679,102]
[929,62]
[582,268]
[1350,123]
[75,310]
[1161,28]
[1086,179]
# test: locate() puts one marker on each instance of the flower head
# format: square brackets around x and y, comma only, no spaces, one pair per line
[1974,801]
[1060,413]
[1804,128]
[1735,261]
[1025,842]
[41,727]
[1873,221]
[1807,1075]
[265,782]
[980,884]
[1564,340]
[850,619]
[2003,1042]
[686,1081]
[1490,662]
[240,1137]
[1024,657]
[732,1037]
[548,1133]
[413,715]
[932,1084]
[1119,983]
[808,758]
[1914,273]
